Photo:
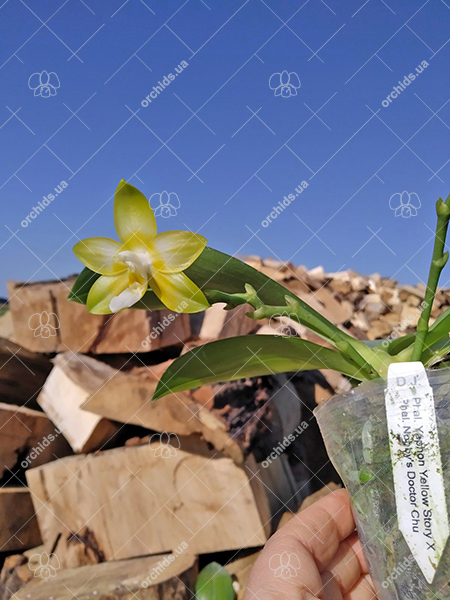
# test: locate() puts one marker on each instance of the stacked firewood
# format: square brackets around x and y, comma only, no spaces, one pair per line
[106,493]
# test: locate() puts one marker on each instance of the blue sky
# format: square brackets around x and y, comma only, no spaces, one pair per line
[218,136]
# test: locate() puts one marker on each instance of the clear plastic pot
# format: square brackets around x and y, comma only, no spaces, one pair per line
[355,432]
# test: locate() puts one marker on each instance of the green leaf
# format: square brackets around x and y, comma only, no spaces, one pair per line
[440,328]
[401,343]
[82,285]
[214,583]
[250,356]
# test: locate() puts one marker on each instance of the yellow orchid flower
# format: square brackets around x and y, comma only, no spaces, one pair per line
[141,259]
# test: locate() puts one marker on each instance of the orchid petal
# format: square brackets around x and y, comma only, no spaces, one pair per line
[104,290]
[175,251]
[100,255]
[178,292]
[128,297]
[133,217]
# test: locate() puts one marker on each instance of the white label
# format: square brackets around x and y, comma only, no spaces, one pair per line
[416,463]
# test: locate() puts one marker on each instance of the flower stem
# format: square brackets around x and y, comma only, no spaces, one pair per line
[293,308]
[438,262]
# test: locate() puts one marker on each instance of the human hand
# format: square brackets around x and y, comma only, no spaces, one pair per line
[317,554]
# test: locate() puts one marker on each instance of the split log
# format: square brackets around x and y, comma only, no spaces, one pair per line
[45,322]
[235,417]
[148,499]
[62,397]
[18,526]
[29,437]
[102,391]
[237,323]
[165,577]
[6,326]
[15,574]
[22,374]
[213,321]
[18,570]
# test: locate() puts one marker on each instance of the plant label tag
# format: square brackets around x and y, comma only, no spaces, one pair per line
[416,464]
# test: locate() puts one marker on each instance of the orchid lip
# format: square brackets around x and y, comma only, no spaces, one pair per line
[140,262]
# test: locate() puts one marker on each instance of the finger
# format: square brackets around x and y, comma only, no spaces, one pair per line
[363,590]
[323,526]
[293,558]
[345,567]
[355,543]
[331,589]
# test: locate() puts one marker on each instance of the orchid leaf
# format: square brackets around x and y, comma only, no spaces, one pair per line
[214,583]
[250,356]
[82,285]
[440,328]
[401,343]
